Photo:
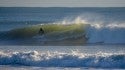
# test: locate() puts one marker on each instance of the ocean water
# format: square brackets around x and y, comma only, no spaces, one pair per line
[62,57]
[73,38]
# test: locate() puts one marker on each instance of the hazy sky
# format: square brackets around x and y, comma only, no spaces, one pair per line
[62,3]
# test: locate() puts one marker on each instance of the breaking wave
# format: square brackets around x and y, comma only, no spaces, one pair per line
[59,31]
[113,33]
[60,59]
[91,32]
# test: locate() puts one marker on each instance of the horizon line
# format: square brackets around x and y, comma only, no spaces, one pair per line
[64,7]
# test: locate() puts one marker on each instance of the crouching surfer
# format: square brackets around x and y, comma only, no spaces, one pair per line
[40,37]
[41,31]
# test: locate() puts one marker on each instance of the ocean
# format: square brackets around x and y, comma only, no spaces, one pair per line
[62,38]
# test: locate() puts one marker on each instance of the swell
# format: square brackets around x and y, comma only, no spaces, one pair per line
[60,59]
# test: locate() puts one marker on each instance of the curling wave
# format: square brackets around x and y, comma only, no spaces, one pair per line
[63,34]
[77,30]
[60,59]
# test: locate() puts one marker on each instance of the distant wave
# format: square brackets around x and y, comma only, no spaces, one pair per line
[60,59]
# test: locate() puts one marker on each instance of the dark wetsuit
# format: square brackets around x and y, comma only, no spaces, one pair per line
[41,31]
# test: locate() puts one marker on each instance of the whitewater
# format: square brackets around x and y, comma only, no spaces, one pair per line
[112,33]
[61,59]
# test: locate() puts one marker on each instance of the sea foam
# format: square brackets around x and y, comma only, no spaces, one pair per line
[61,59]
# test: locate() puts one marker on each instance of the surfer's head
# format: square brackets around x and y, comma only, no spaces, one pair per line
[41,31]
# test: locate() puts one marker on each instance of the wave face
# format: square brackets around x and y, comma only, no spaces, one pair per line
[59,59]
[59,33]
[52,32]
[90,32]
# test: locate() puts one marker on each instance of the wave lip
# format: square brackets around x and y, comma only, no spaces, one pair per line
[59,59]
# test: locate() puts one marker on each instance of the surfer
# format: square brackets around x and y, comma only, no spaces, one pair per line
[41,31]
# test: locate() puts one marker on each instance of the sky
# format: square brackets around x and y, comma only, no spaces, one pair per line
[62,3]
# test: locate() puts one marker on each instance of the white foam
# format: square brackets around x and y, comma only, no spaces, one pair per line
[61,59]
